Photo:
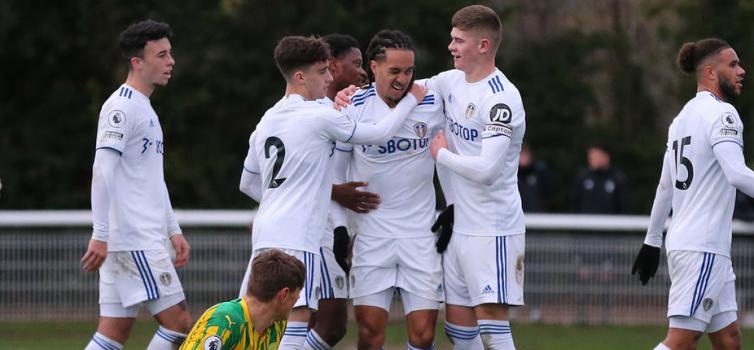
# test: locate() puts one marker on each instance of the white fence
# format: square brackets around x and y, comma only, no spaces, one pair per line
[577,266]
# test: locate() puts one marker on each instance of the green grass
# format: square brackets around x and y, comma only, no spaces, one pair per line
[75,335]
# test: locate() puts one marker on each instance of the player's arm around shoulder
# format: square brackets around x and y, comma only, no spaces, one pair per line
[442,82]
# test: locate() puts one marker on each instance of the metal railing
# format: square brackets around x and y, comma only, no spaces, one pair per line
[577,267]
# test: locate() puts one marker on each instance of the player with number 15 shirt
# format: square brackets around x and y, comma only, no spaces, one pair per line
[703,166]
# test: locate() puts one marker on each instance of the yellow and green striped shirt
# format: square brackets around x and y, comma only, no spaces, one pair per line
[228,326]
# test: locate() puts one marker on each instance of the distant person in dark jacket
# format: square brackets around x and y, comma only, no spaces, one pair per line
[600,188]
[535,182]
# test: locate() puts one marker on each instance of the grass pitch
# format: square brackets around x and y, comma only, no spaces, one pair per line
[75,335]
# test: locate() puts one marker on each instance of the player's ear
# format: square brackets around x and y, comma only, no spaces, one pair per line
[373,67]
[135,62]
[708,72]
[484,45]
[298,77]
[283,294]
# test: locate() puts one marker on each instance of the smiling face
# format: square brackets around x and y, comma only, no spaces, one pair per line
[464,47]
[393,74]
[347,69]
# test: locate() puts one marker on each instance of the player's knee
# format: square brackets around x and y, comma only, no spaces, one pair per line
[371,337]
[422,338]
[116,329]
[682,343]
[186,325]
[730,341]
[181,323]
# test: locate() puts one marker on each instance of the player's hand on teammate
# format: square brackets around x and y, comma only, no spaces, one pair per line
[343,97]
[95,255]
[340,248]
[348,196]
[182,249]
[438,142]
[418,91]
[444,223]
[646,263]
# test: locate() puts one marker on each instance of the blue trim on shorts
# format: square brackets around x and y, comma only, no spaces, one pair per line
[309,262]
[501,251]
[151,275]
[327,290]
[306,281]
[142,273]
[702,281]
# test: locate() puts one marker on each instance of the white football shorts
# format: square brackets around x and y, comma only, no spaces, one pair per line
[311,292]
[334,281]
[410,264]
[131,278]
[702,285]
[484,269]
[411,302]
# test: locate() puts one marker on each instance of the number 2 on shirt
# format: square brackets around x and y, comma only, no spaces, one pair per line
[273,141]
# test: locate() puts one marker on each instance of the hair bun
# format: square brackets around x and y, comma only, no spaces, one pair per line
[685,59]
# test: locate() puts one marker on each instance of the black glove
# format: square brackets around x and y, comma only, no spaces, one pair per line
[646,263]
[444,223]
[340,248]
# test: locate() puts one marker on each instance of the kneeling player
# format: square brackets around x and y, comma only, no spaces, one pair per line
[257,320]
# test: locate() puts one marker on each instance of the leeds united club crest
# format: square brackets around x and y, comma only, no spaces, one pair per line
[470,109]
[420,129]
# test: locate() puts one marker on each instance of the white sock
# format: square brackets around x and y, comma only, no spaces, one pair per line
[165,339]
[466,338]
[661,346]
[315,342]
[496,335]
[100,342]
[294,336]
[411,347]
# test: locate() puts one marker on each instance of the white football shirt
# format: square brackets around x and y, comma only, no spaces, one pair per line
[703,199]
[139,204]
[336,214]
[292,148]
[491,107]
[399,170]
